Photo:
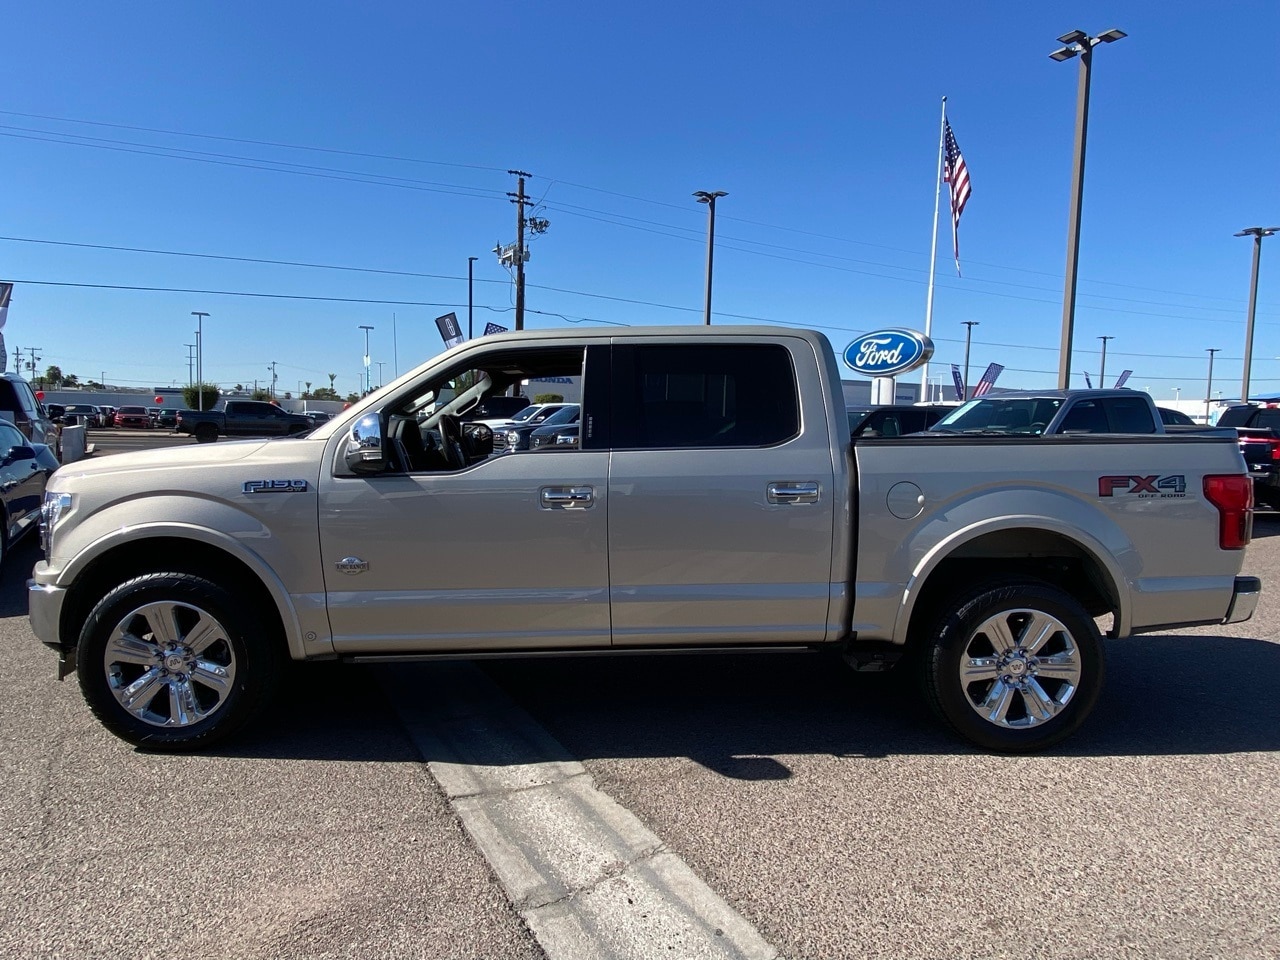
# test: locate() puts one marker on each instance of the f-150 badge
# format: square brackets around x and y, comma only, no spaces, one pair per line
[274,486]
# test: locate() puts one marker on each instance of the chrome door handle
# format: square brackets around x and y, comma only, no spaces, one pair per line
[787,492]
[566,498]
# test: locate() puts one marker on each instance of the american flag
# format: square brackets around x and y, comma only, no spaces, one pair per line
[956,174]
[988,380]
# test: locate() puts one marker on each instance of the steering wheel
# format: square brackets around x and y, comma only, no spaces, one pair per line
[1038,427]
[451,442]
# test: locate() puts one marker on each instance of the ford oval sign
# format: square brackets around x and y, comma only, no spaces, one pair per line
[886,353]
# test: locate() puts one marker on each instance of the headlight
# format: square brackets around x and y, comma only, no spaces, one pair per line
[566,439]
[51,511]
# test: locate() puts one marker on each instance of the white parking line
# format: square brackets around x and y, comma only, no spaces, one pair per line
[587,876]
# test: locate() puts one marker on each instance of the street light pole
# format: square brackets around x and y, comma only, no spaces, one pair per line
[199,315]
[1208,390]
[1078,44]
[1102,375]
[709,198]
[1257,233]
[968,335]
[366,328]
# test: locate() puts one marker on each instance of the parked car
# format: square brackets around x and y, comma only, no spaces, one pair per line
[167,418]
[893,420]
[495,411]
[515,436]
[133,417]
[1170,417]
[85,413]
[108,415]
[525,415]
[19,402]
[317,417]
[25,469]
[153,413]
[54,410]
[1258,431]
[555,436]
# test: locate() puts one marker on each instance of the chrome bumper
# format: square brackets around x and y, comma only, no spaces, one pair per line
[1244,599]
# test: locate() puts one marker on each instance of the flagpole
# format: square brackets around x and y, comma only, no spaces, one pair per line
[933,252]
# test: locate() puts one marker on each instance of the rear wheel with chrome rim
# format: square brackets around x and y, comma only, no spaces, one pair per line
[1015,667]
[171,661]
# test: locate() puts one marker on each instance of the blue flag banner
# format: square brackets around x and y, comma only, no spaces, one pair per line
[493,328]
[1087,382]
[955,378]
[450,332]
[1122,379]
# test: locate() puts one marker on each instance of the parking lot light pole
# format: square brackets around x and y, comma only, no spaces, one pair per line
[1257,233]
[1208,390]
[1078,44]
[709,197]
[367,372]
[1102,374]
[199,315]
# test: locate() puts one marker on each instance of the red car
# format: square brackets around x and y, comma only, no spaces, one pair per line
[133,417]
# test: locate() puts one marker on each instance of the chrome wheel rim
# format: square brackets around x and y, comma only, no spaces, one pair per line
[1020,668]
[170,664]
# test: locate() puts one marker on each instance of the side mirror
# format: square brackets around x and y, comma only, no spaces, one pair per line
[19,452]
[477,438]
[364,446]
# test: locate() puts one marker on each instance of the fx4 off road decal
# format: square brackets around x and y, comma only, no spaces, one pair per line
[1148,488]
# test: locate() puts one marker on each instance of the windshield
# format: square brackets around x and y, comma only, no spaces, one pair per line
[563,415]
[1013,415]
[526,413]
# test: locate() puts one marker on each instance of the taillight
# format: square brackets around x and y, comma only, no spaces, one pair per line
[1275,450]
[1232,494]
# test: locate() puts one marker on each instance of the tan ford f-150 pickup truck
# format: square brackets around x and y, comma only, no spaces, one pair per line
[714,501]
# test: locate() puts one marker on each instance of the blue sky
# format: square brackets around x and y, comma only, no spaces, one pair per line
[150,126]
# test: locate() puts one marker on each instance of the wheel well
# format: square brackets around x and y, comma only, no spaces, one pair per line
[1014,555]
[161,555]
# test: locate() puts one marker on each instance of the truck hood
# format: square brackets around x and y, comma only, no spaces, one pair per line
[169,458]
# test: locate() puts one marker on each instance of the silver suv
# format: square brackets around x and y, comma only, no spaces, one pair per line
[19,405]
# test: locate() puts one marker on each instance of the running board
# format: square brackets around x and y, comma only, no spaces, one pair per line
[571,652]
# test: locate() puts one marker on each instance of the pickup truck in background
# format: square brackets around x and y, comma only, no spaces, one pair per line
[714,501]
[1258,430]
[241,418]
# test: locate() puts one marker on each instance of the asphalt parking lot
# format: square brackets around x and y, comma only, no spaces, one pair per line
[827,808]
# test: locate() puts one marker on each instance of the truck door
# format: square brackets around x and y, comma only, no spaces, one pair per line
[720,493]
[504,553]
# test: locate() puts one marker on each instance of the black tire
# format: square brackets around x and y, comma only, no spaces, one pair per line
[206,433]
[1029,697]
[224,677]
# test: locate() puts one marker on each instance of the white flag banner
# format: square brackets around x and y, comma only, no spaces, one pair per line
[6,291]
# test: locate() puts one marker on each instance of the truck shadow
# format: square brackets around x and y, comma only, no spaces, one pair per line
[740,715]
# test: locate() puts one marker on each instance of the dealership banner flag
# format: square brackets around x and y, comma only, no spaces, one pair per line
[6,291]
[1087,382]
[493,328]
[955,378]
[450,332]
[1122,379]
[988,379]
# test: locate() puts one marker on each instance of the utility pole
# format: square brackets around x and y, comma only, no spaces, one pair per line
[199,315]
[968,335]
[190,363]
[471,331]
[519,202]
[366,328]
[536,226]
[381,364]
[1208,390]
[1257,233]
[272,368]
[1102,374]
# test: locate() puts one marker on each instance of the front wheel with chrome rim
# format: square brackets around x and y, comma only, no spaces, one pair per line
[171,661]
[1015,667]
